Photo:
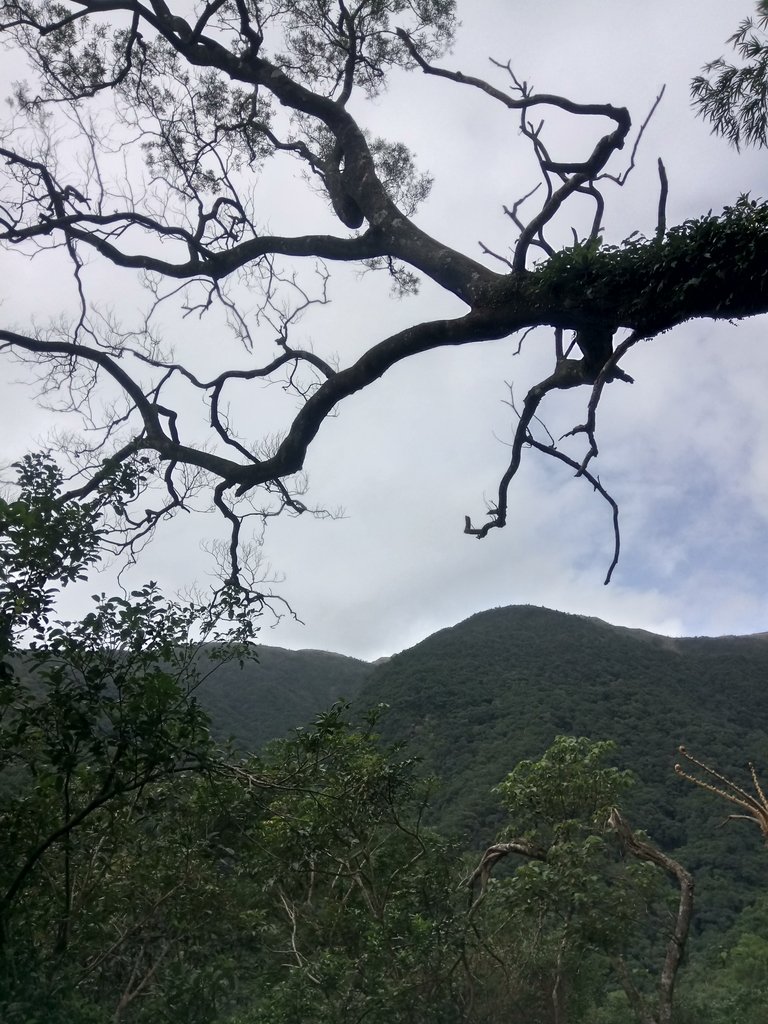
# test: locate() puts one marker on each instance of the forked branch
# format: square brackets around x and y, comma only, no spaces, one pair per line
[208,98]
[755,805]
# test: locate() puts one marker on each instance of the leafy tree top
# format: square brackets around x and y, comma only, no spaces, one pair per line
[735,96]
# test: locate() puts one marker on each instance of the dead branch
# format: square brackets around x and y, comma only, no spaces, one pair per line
[756,806]
[644,850]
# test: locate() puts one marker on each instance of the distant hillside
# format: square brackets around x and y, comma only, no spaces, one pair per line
[474,699]
[284,689]
[272,694]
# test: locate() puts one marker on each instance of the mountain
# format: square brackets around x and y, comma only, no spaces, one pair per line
[279,691]
[474,699]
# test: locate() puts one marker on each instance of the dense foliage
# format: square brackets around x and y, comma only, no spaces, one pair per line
[298,886]
[148,873]
[733,96]
[475,699]
[268,698]
[303,885]
[663,280]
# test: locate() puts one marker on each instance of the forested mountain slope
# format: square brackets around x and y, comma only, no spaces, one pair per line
[474,699]
[277,692]
[469,702]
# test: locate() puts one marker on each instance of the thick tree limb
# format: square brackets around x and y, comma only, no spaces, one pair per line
[193,220]
[491,857]
[644,850]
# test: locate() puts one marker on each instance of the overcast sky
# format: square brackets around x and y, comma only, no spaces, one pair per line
[684,450]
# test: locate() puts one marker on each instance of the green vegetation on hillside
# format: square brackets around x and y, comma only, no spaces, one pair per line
[275,692]
[474,700]
[148,873]
[303,885]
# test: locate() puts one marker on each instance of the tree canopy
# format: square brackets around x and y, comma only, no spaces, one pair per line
[141,137]
[734,97]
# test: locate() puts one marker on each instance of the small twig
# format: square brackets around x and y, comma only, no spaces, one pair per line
[595,481]
[620,179]
[489,252]
[523,336]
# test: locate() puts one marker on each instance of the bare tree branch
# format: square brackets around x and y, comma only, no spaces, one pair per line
[163,184]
